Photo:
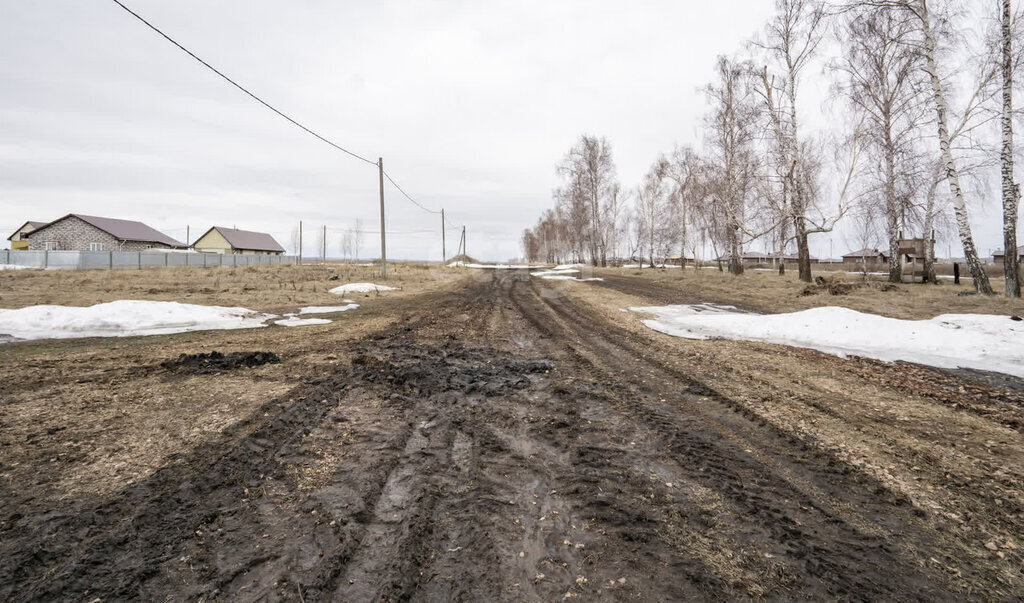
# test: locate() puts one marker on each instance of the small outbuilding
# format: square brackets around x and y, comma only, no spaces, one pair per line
[999,256]
[19,238]
[79,232]
[232,240]
[864,256]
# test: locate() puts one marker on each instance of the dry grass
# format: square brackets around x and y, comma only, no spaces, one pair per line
[265,288]
[961,470]
[766,291]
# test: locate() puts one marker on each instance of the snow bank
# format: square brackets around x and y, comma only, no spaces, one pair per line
[295,321]
[327,309]
[975,341]
[556,271]
[13,267]
[360,288]
[124,318]
[460,264]
[563,274]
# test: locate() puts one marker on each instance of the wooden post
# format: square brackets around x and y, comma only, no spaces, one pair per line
[444,252]
[383,238]
[299,260]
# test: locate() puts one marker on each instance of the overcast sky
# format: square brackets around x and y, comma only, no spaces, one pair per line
[470,103]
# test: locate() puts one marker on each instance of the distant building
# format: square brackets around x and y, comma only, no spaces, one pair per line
[232,240]
[678,258]
[865,256]
[19,238]
[793,259]
[999,256]
[78,232]
[749,258]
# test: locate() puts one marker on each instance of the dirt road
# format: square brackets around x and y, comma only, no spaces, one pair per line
[508,441]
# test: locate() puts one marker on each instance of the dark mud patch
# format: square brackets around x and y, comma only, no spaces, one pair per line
[427,370]
[216,362]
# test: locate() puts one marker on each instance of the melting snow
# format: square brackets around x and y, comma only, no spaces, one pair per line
[13,267]
[360,288]
[124,318]
[563,273]
[295,321]
[327,309]
[975,341]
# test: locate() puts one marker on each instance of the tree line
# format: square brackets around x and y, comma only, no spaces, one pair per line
[926,119]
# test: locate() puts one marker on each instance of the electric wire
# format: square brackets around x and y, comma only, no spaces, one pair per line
[239,86]
[274,109]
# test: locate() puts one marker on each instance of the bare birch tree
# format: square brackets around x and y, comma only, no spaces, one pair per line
[591,192]
[1010,189]
[731,140]
[921,13]
[792,39]
[882,84]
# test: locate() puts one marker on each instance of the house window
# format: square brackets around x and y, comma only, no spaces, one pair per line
[50,245]
[95,246]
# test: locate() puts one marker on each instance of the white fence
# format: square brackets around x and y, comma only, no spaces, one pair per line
[133,260]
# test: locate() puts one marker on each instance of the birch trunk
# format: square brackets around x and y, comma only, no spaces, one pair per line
[1011,268]
[963,221]
[892,209]
[929,227]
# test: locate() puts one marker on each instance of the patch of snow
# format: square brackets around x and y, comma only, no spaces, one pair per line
[124,318]
[974,341]
[555,271]
[565,266]
[494,266]
[301,322]
[564,274]
[360,288]
[327,309]
[13,267]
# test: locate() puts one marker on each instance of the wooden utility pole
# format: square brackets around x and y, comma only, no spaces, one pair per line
[383,238]
[444,254]
[188,235]
[299,260]
[323,254]
[464,242]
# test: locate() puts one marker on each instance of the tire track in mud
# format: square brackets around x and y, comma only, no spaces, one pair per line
[802,505]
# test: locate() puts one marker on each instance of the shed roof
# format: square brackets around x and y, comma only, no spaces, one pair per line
[35,226]
[862,253]
[247,239]
[124,230]
[998,253]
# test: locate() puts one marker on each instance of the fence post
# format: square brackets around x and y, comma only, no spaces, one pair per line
[110,259]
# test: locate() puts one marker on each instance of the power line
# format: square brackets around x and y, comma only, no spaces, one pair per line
[239,86]
[406,195]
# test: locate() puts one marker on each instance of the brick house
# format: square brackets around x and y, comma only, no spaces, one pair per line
[78,232]
[232,240]
[19,238]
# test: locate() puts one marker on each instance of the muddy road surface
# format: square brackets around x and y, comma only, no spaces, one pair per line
[508,443]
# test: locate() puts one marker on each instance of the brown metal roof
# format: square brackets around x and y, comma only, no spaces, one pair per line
[247,239]
[125,230]
[33,224]
[862,253]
